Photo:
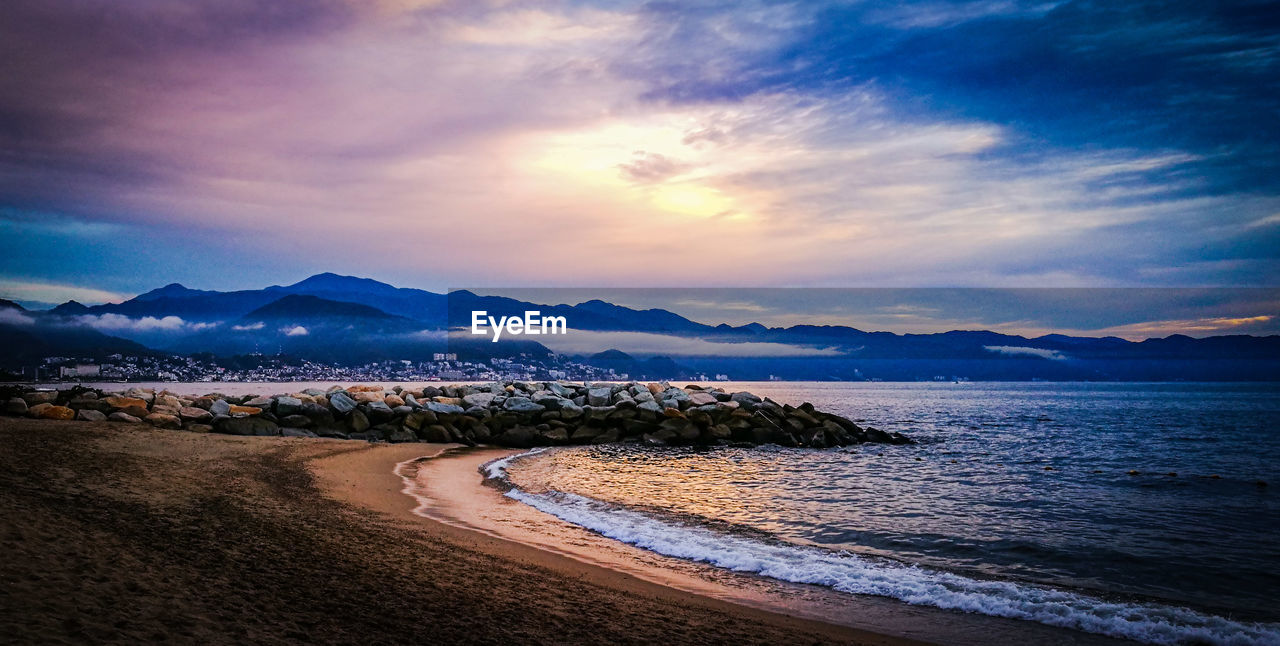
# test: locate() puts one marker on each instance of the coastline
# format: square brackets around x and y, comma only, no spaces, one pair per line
[469,512]
[377,486]
[119,533]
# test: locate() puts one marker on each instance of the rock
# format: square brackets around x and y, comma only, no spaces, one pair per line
[247,426]
[478,399]
[119,416]
[570,410]
[162,420]
[40,397]
[193,414]
[259,402]
[607,437]
[199,428]
[702,399]
[245,411]
[378,412]
[367,396]
[117,402]
[444,409]
[519,437]
[393,401]
[49,411]
[357,422]
[220,407]
[166,401]
[598,396]
[399,435]
[289,431]
[296,421]
[38,409]
[521,405]
[341,402]
[435,433]
[16,406]
[417,420]
[555,436]
[90,415]
[286,405]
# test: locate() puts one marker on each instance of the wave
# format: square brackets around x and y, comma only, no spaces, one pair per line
[858,574]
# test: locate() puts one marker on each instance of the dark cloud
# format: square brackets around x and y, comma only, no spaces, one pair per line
[1202,77]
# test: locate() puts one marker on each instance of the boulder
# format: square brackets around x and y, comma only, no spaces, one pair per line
[220,407]
[247,426]
[341,402]
[16,406]
[40,397]
[193,414]
[393,401]
[444,409]
[521,405]
[367,396]
[163,420]
[357,422]
[166,401]
[599,396]
[435,433]
[259,402]
[378,412]
[245,411]
[286,405]
[120,416]
[49,411]
[296,421]
[289,431]
[90,415]
[702,398]
[518,437]
[478,399]
[116,402]
[199,428]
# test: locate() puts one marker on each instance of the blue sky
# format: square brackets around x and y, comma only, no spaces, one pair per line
[238,143]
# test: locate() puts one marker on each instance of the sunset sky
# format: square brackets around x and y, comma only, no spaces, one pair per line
[230,144]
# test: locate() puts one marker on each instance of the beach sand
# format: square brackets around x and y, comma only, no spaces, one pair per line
[118,533]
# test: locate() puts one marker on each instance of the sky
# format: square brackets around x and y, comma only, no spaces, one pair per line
[230,144]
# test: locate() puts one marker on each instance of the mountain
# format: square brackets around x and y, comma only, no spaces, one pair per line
[297,307]
[70,308]
[10,305]
[330,317]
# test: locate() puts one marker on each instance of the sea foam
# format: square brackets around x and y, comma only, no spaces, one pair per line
[856,574]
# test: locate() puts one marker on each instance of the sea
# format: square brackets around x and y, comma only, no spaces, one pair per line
[1140,511]
[1143,511]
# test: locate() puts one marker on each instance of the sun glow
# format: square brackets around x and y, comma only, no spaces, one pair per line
[689,199]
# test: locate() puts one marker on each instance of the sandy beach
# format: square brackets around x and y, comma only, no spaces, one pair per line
[116,533]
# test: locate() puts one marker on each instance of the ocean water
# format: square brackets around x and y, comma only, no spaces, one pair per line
[1130,510]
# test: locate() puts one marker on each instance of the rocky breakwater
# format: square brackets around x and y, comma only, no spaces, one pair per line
[512,414]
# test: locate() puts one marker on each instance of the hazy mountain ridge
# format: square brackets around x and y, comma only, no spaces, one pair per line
[330,317]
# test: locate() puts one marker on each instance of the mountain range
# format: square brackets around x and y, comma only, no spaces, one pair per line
[346,319]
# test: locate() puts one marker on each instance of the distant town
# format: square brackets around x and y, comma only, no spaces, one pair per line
[280,368]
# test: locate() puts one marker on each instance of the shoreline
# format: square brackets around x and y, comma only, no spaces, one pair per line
[385,491]
[465,509]
[119,533]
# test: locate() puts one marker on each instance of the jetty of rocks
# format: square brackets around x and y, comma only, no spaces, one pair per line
[512,414]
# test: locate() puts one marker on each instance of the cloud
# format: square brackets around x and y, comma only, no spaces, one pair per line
[16,289]
[296,330]
[249,327]
[645,343]
[122,323]
[10,316]
[1030,352]
[799,144]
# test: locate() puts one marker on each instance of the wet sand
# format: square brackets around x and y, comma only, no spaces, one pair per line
[118,533]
